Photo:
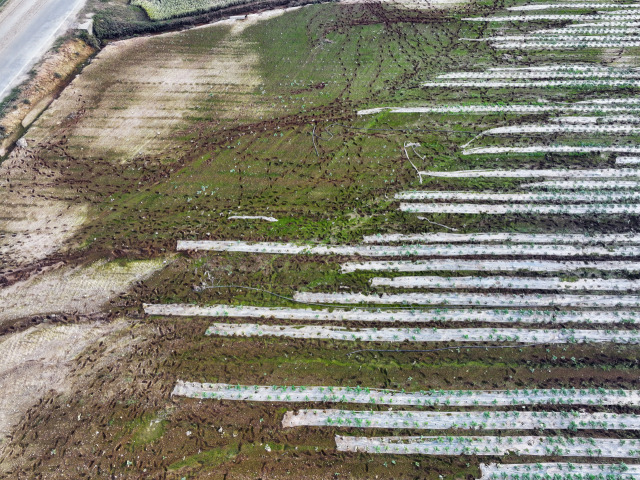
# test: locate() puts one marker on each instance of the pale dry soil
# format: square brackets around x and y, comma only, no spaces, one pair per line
[34,222]
[34,228]
[617,57]
[70,289]
[36,362]
[136,93]
[35,218]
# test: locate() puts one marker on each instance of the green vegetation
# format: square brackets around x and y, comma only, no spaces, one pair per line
[147,430]
[166,9]
[208,459]
[315,69]
[11,97]
[120,18]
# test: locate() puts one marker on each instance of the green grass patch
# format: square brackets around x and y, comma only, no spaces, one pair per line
[166,9]
[145,430]
[209,458]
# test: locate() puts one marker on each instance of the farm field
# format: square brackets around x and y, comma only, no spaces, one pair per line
[346,240]
[162,10]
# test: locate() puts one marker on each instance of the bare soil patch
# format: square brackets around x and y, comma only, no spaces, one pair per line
[73,289]
[52,75]
[35,228]
[37,361]
[137,93]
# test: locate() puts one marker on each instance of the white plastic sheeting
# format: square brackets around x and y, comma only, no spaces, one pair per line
[595,29]
[515,109]
[550,71]
[252,217]
[364,395]
[544,197]
[487,266]
[628,160]
[581,5]
[534,18]
[543,83]
[494,237]
[566,36]
[478,420]
[616,129]
[508,283]
[550,44]
[473,299]
[416,334]
[522,445]
[440,250]
[546,173]
[583,185]
[399,316]
[597,119]
[530,208]
[559,471]
[554,149]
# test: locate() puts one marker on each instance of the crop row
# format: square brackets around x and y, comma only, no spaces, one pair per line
[554,149]
[597,120]
[488,266]
[477,420]
[544,197]
[583,31]
[607,23]
[365,395]
[510,283]
[594,28]
[515,335]
[542,446]
[400,316]
[552,45]
[569,68]
[530,208]
[507,237]
[534,18]
[583,185]
[505,108]
[552,71]
[622,11]
[470,299]
[545,83]
[570,36]
[611,100]
[559,471]
[548,6]
[455,250]
[628,160]
[548,173]
[596,129]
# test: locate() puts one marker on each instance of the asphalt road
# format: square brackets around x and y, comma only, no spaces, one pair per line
[28,29]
